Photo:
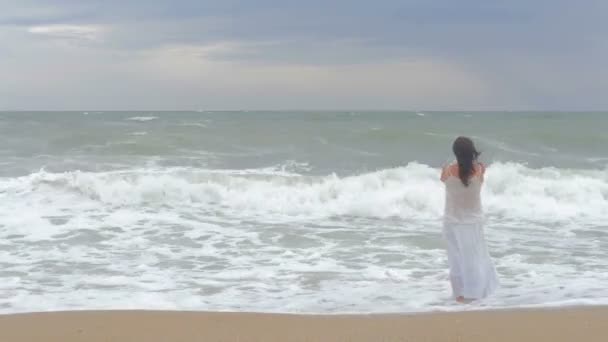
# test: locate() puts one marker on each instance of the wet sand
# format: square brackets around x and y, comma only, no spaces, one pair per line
[586,324]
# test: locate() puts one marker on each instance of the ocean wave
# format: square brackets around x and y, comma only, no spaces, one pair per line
[183,237]
[193,124]
[503,146]
[142,118]
[512,191]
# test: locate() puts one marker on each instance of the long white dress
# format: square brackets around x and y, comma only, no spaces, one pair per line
[472,272]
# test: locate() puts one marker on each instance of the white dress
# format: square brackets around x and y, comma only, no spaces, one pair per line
[472,272]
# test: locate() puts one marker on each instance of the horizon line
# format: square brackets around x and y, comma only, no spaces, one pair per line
[309,110]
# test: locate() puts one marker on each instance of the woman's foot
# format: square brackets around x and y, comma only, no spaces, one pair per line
[462,300]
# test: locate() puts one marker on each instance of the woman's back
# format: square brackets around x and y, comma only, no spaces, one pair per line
[463,202]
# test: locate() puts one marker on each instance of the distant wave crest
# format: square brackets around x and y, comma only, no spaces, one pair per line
[142,118]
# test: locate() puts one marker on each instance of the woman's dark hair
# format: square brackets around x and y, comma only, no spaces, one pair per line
[466,155]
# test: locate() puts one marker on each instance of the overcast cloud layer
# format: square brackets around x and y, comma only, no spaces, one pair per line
[230,54]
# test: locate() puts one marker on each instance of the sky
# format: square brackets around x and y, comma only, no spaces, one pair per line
[306,55]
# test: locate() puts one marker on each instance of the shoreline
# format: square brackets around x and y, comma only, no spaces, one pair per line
[580,323]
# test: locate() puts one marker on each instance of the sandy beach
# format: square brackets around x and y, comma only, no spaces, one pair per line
[572,324]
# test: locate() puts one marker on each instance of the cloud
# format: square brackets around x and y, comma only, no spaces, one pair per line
[33,12]
[192,77]
[68,32]
[392,53]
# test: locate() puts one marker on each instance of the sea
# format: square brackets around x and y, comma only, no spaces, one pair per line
[293,211]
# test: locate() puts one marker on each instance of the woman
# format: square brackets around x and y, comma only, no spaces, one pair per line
[472,272]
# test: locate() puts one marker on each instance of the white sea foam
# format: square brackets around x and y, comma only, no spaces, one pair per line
[142,118]
[275,240]
[512,191]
